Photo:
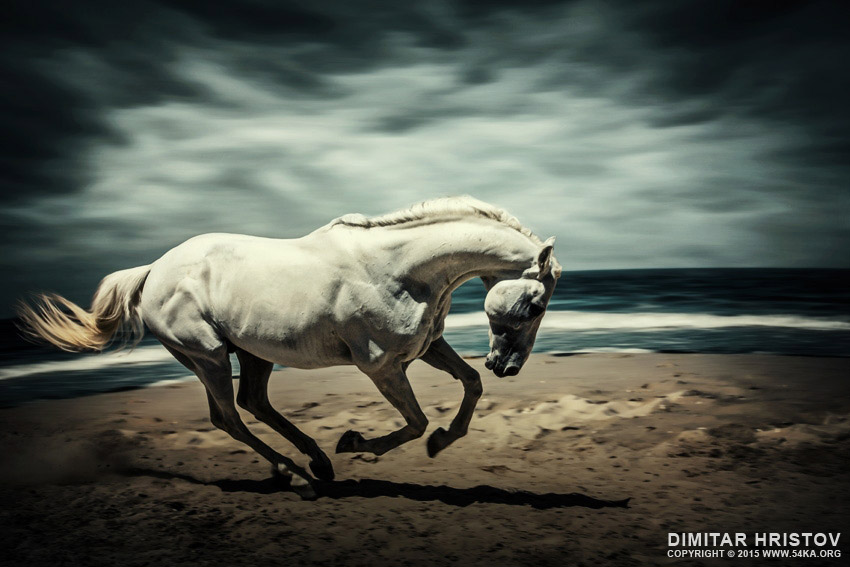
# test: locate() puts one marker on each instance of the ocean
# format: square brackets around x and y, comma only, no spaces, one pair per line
[803,312]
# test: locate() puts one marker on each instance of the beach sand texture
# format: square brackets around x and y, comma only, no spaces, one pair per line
[579,460]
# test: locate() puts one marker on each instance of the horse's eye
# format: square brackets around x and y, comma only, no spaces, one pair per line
[506,325]
[534,310]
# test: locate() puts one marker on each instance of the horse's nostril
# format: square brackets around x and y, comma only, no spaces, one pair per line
[511,370]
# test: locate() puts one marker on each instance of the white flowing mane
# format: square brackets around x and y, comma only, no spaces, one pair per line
[436,210]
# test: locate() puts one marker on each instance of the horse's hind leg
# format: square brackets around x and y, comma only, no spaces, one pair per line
[213,369]
[254,396]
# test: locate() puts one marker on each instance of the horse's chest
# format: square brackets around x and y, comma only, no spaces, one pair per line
[419,326]
[404,320]
[382,323]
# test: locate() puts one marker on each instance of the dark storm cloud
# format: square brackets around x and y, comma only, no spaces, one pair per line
[39,120]
[45,118]
[774,60]
[777,60]
[656,133]
[65,63]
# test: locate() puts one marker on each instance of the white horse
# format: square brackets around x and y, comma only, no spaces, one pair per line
[372,292]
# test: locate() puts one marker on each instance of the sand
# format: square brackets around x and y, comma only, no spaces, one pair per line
[579,460]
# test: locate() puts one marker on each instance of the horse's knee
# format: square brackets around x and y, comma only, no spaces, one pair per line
[418,426]
[473,386]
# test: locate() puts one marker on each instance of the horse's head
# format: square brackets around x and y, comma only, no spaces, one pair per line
[515,308]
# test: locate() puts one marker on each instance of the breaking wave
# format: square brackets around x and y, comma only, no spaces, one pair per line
[140,356]
[588,321]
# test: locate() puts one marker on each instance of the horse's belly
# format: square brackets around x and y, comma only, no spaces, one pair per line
[295,359]
[306,352]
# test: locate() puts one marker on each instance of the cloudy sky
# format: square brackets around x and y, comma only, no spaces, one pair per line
[642,134]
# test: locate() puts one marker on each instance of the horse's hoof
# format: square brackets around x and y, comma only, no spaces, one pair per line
[322,468]
[280,472]
[306,492]
[349,442]
[295,482]
[303,488]
[438,441]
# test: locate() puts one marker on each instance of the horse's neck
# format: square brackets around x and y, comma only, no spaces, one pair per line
[449,253]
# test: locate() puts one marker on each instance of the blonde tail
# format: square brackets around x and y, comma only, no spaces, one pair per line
[70,327]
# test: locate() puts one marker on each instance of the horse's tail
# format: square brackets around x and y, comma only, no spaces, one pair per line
[68,326]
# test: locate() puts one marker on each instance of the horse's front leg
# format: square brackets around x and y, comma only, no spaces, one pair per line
[393,384]
[443,357]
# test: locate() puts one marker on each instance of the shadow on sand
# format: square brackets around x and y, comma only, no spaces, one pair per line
[370,488]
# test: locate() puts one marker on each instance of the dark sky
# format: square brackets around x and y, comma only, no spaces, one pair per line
[642,134]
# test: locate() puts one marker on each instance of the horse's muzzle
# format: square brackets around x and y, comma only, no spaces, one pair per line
[511,370]
[499,368]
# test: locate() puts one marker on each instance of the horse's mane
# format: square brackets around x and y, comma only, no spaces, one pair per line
[437,209]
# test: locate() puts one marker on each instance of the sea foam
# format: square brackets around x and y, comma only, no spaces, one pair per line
[586,321]
[153,354]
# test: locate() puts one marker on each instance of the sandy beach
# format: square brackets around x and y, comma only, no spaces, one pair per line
[579,460]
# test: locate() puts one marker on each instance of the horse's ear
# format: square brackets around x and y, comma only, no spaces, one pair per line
[544,258]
